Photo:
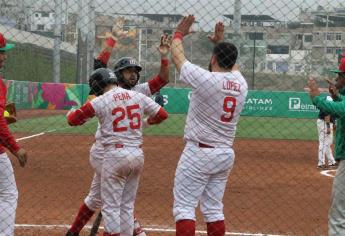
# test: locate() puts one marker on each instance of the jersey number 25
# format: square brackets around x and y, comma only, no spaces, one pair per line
[229,107]
[133,116]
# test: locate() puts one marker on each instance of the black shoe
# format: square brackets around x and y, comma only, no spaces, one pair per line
[335,165]
[71,234]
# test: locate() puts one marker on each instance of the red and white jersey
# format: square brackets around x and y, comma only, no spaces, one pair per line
[215,105]
[97,147]
[120,113]
[143,88]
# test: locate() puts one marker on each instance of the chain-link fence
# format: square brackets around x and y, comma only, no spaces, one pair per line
[274,187]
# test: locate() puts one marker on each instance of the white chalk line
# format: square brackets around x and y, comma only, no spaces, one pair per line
[31,136]
[40,134]
[326,173]
[148,228]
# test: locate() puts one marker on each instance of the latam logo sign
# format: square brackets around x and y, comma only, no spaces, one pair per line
[295,104]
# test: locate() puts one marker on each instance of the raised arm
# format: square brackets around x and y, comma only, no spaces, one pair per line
[182,29]
[108,45]
[218,35]
[164,50]
[162,78]
[333,91]
[336,109]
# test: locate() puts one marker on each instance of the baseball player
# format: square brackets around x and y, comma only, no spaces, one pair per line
[217,99]
[336,218]
[127,70]
[8,188]
[325,130]
[120,113]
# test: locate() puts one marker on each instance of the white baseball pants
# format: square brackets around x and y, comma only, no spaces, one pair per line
[325,141]
[93,199]
[8,196]
[201,175]
[119,183]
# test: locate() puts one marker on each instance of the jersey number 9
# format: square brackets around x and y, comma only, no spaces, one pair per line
[229,107]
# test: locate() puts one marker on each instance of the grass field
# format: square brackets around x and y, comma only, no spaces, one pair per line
[249,127]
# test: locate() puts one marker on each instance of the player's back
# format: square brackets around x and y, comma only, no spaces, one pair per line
[120,114]
[215,105]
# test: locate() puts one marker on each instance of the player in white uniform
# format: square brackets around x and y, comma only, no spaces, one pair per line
[120,113]
[8,187]
[127,71]
[324,125]
[214,110]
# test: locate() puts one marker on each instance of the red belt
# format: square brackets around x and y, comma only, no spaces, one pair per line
[119,145]
[202,145]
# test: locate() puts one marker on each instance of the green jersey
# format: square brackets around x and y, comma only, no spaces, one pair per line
[335,108]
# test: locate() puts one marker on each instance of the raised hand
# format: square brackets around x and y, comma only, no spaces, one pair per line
[334,92]
[218,35]
[185,25]
[165,45]
[314,88]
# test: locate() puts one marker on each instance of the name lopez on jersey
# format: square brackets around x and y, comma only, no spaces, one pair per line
[230,85]
[121,96]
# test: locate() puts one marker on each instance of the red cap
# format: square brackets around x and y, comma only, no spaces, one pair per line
[341,68]
[342,65]
[4,46]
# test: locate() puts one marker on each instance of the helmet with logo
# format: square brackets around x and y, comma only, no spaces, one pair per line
[99,79]
[125,63]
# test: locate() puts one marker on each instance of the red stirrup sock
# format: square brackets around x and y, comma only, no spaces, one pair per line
[81,219]
[185,228]
[216,228]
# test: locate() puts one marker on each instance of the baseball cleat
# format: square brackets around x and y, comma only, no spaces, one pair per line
[138,231]
[333,165]
[69,233]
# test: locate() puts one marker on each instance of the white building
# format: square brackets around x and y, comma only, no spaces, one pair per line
[42,21]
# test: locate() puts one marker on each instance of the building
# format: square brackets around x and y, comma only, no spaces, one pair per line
[42,20]
[311,44]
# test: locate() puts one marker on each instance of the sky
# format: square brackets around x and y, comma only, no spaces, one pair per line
[207,12]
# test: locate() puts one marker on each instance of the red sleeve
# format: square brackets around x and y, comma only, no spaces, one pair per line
[156,83]
[81,115]
[104,56]
[6,138]
[159,117]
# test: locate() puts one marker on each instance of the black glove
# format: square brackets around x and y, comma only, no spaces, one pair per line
[159,99]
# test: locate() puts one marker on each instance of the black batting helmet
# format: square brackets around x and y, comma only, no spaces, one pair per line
[124,63]
[99,79]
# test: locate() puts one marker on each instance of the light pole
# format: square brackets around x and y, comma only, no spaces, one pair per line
[57,41]
[254,54]
[237,25]
[326,39]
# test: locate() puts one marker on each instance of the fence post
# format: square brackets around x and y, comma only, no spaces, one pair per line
[57,41]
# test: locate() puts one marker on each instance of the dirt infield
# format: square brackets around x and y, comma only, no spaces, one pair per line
[274,187]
